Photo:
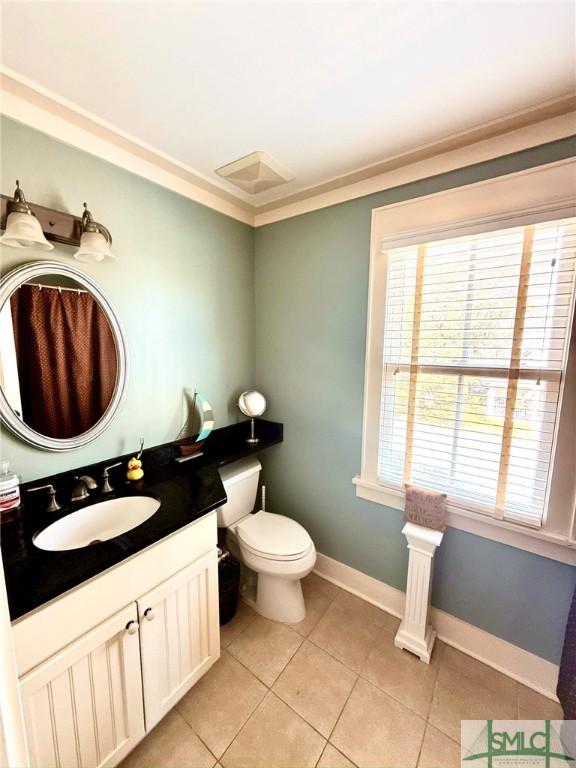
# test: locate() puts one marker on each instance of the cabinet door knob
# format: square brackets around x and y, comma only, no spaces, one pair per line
[132,627]
[149,614]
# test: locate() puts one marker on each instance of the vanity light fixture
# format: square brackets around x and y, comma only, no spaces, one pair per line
[95,240]
[23,230]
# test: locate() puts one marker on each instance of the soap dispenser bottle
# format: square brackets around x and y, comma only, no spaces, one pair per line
[9,491]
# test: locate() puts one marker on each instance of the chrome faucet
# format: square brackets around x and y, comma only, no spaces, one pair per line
[53,505]
[106,487]
[83,484]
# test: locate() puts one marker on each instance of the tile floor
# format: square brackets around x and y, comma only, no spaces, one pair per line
[331,692]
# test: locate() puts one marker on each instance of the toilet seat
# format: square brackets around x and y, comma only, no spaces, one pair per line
[277,558]
[274,537]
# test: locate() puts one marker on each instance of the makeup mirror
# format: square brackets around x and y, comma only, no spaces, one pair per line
[252,404]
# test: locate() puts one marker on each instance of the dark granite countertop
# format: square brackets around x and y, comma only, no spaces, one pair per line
[186,491]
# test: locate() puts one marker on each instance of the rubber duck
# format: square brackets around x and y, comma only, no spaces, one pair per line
[135,471]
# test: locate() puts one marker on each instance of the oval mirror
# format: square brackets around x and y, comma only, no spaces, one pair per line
[62,356]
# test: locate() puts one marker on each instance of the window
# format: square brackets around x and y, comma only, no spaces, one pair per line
[470,381]
[475,338]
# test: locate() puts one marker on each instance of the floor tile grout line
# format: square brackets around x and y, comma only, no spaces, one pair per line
[421,744]
[359,675]
[200,739]
[303,637]
[336,593]
[434,691]
[481,663]
[321,755]
[252,619]
[336,657]
[354,671]
[420,747]
[340,716]
[270,689]
[343,708]
[302,716]
[342,589]
[302,640]
[332,655]
[299,715]
[383,636]
[250,671]
[346,756]
[262,700]
[476,680]
[273,693]
[313,627]
[320,617]
[399,701]
[329,744]
[346,591]
[428,721]
[243,724]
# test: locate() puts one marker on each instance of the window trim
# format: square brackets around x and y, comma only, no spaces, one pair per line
[527,197]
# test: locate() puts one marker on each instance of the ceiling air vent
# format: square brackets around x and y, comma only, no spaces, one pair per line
[255,173]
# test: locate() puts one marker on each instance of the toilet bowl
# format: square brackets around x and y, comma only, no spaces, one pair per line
[276,552]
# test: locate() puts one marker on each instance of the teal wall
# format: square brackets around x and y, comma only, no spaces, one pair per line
[183,287]
[311,304]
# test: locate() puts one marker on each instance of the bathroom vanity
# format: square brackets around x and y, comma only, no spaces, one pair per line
[107,661]
[110,636]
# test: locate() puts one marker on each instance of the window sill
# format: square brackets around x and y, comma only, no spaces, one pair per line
[553,546]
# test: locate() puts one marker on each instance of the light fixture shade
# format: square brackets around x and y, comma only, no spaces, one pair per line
[93,247]
[23,230]
[95,240]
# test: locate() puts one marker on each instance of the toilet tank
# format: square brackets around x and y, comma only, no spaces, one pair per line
[240,481]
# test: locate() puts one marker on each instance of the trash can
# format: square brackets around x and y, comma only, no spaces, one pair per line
[228,586]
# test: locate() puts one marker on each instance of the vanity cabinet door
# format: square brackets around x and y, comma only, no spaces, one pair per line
[83,706]
[179,635]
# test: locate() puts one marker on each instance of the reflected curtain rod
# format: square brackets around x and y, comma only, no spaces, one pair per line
[55,288]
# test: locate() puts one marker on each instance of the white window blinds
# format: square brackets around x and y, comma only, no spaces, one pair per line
[475,339]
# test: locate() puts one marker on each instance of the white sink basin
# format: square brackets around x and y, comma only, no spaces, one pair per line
[98,522]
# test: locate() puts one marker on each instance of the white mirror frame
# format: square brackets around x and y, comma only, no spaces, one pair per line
[8,285]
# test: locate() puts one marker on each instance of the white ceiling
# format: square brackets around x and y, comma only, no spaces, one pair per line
[325,88]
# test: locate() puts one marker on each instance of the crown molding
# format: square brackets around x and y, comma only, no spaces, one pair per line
[432,160]
[33,105]
[521,119]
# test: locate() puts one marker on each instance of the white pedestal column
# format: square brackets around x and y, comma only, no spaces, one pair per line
[415,633]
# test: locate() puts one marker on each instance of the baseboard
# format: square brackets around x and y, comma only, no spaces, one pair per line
[525,667]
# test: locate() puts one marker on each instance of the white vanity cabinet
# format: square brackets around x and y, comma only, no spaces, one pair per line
[179,635]
[102,665]
[83,706]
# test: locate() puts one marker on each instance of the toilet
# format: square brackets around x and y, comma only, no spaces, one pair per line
[275,551]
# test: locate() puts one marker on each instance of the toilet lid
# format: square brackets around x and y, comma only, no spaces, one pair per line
[274,534]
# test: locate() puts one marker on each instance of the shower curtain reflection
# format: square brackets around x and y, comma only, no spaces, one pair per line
[66,359]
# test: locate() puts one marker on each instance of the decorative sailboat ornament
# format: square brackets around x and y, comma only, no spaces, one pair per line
[197,427]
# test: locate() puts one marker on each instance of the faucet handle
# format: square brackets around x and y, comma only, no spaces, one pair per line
[106,487]
[53,505]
